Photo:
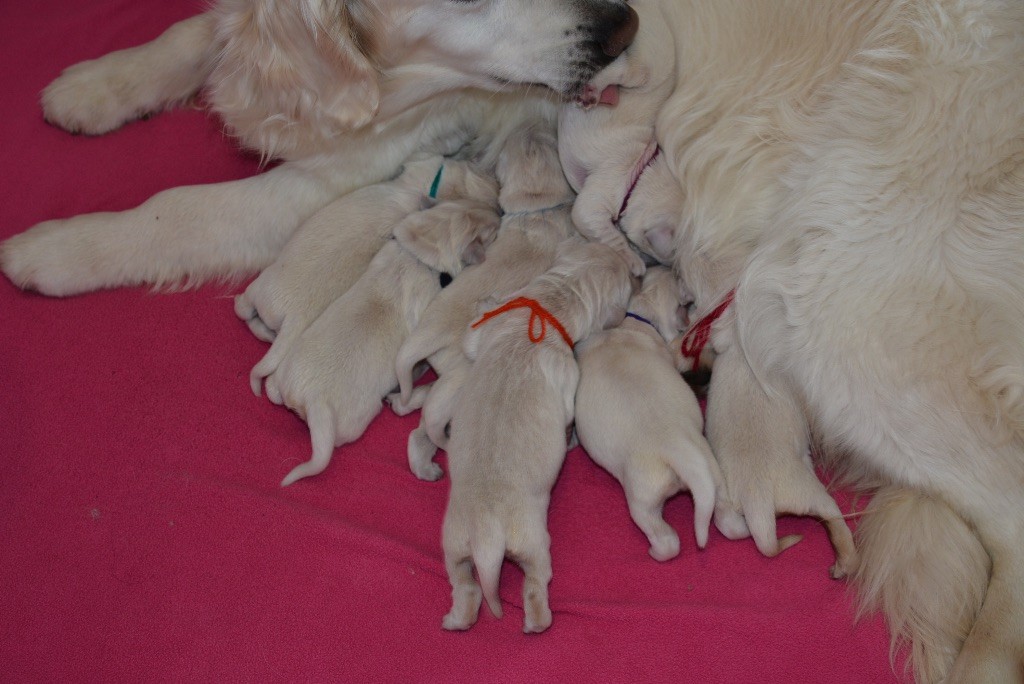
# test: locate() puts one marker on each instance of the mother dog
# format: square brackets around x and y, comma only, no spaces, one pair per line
[855,169]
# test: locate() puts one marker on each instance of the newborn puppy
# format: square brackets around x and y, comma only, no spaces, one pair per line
[640,421]
[332,249]
[508,437]
[536,198]
[605,149]
[775,475]
[338,370]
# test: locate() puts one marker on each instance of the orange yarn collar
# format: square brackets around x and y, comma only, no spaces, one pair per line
[537,314]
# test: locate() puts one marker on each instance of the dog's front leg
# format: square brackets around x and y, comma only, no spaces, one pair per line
[102,94]
[182,235]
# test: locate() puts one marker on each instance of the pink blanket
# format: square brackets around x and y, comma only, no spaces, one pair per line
[144,534]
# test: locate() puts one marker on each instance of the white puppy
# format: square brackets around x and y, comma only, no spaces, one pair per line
[508,437]
[640,421]
[342,365]
[767,472]
[331,250]
[537,198]
[604,150]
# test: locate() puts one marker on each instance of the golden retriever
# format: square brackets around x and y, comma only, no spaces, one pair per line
[343,90]
[855,170]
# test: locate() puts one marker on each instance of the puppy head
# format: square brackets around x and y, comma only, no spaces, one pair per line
[449,235]
[290,76]
[659,301]
[464,180]
[529,171]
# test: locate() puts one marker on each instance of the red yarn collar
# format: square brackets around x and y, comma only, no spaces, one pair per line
[696,338]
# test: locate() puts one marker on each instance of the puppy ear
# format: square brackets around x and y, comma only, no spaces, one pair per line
[291,75]
[419,233]
[474,252]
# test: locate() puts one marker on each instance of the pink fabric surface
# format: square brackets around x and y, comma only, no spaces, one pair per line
[144,533]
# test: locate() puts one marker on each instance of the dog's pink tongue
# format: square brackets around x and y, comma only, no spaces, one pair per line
[609,96]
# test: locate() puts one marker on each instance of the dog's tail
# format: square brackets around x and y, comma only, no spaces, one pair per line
[925,568]
[411,353]
[488,547]
[272,359]
[693,466]
[320,419]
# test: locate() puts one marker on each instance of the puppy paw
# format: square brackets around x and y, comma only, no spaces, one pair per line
[399,407]
[636,263]
[664,547]
[844,566]
[537,617]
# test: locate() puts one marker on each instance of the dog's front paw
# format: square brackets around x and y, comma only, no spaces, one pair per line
[91,98]
[46,258]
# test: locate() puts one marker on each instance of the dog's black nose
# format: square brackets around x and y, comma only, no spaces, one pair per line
[623,34]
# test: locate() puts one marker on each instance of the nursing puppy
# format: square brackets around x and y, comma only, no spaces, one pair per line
[769,472]
[331,250]
[604,149]
[342,365]
[343,90]
[640,421]
[536,199]
[508,437]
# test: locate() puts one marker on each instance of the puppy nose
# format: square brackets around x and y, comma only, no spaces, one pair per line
[619,39]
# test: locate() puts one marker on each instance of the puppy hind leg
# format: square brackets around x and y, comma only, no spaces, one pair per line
[697,471]
[404,406]
[320,420]
[421,455]
[536,567]
[647,515]
[466,596]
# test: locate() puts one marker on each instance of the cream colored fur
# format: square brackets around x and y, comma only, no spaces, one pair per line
[857,169]
[340,368]
[508,437]
[343,90]
[640,421]
[603,148]
[537,200]
[332,249]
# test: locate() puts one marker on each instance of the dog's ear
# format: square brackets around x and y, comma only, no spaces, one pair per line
[292,75]
[421,234]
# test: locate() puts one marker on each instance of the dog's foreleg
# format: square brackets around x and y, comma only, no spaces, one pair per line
[645,506]
[100,95]
[182,235]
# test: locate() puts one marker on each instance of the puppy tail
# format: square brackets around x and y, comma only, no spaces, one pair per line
[321,431]
[693,468]
[488,555]
[925,568]
[270,361]
[408,356]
